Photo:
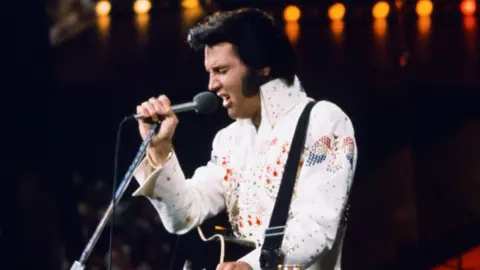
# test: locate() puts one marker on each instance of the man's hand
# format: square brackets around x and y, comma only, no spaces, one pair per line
[234,266]
[161,144]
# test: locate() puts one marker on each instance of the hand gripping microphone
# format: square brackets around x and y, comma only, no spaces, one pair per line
[203,103]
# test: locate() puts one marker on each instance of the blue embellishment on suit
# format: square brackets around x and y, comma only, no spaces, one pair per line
[350,149]
[215,160]
[318,151]
[315,159]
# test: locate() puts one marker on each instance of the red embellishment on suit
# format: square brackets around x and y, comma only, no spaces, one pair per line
[268,181]
[228,172]
[326,140]
[253,220]
[275,173]
[274,141]
[224,163]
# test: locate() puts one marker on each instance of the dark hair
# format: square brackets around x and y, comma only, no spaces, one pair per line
[258,40]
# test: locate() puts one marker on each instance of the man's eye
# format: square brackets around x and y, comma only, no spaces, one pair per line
[222,70]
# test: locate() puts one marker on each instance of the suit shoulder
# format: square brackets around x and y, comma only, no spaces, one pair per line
[223,135]
[328,110]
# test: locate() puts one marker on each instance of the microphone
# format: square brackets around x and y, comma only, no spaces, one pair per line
[203,103]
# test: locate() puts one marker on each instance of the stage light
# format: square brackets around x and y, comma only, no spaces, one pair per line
[470,23]
[399,4]
[292,30]
[291,13]
[142,23]
[468,7]
[102,8]
[380,28]
[424,8]
[190,3]
[380,10]
[336,11]
[103,26]
[190,16]
[142,6]
[336,26]
[424,24]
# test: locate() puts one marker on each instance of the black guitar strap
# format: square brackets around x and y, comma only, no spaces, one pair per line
[270,256]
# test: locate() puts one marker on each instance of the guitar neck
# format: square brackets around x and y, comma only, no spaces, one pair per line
[241,242]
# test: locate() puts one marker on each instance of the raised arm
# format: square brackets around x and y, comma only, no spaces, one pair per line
[182,203]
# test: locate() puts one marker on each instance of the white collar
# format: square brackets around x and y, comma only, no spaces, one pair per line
[278,99]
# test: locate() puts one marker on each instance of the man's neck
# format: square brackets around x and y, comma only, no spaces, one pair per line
[255,102]
[256,120]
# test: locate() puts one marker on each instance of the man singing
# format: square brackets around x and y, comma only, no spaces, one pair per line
[252,69]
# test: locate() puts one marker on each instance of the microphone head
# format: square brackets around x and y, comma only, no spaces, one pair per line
[206,102]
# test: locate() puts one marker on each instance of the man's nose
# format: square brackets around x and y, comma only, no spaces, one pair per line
[213,84]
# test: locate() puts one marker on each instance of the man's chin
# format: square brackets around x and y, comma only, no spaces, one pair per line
[231,113]
[234,114]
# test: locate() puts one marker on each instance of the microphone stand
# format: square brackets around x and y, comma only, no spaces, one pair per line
[80,264]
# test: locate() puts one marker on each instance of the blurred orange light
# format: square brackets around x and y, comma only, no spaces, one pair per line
[469,22]
[142,6]
[380,10]
[424,8]
[190,3]
[380,27]
[291,13]
[398,4]
[191,15]
[336,11]
[403,60]
[292,29]
[336,27]
[103,24]
[468,7]
[102,8]
[424,24]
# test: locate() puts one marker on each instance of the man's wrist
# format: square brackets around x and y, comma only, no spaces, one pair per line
[157,162]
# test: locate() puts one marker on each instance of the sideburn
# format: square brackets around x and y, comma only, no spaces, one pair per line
[251,83]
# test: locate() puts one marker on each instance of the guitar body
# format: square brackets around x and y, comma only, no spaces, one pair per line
[233,252]
[206,255]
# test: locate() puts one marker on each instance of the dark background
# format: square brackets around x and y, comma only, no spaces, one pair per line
[415,202]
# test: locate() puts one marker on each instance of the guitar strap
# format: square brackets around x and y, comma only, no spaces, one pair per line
[270,256]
